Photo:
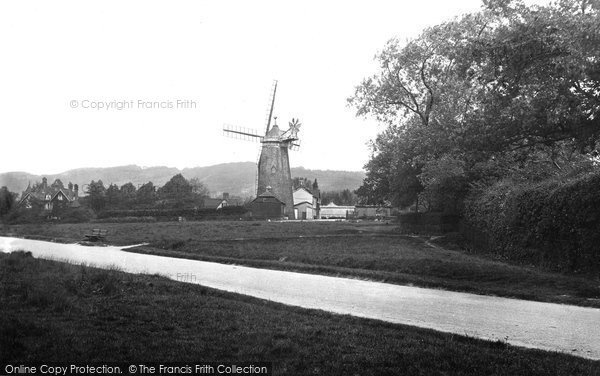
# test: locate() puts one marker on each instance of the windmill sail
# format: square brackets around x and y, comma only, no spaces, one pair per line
[242,133]
[273,172]
[270,116]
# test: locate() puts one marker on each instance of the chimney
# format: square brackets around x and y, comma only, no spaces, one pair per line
[76,189]
[225,196]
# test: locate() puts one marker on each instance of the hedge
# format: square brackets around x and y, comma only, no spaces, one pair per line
[555,223]
[161,214]
[428,222]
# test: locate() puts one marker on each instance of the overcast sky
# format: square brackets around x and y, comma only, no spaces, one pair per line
[61,59]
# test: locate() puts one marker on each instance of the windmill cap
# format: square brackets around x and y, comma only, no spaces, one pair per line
[274,131]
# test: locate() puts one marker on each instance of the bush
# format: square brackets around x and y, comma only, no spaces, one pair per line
[445,185]
[554,223]
[429,222]
[72,215]
[174,214]
[22,216]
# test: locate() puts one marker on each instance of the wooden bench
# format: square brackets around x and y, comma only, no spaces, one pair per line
[96,235]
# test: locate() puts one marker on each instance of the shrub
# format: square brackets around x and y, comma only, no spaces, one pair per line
[430,222]
[554,223]
[161,214]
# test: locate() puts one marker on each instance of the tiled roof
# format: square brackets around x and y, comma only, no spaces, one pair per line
[212,203]
[42,193]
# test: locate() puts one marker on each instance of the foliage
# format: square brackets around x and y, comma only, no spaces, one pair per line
[176,188]
[555,223]
[428,223]
[96,195]
[446,185]
[66,214]
[113,195]
[345,197]
[392,172]
[57,184]
[174,213]
[178,192]
[18,215]
[7,201]
[198,188]
[128,191]
[301,182]
[146,194]
[505,87]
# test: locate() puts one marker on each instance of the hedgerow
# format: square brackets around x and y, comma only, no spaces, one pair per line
[554,223]
[228,211]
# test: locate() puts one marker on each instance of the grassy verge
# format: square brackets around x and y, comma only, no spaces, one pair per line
[58,312]
[128,233]
[359,250]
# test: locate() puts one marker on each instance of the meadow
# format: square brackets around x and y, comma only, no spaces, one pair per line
[53,311]
[366,250]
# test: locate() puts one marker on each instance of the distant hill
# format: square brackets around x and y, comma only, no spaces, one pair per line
[236,178]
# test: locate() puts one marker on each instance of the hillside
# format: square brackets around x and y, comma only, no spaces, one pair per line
[235,178]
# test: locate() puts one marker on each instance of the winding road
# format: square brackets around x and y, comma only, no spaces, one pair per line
[556,327]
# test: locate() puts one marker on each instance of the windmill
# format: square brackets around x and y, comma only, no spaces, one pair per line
[273,163]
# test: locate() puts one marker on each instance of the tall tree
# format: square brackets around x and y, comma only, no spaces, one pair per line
[198,188]
[146,194]
[57,184]
[497,87]
[96,195]
[177,188]
[127,192]
[7,201]
[301,182]
[113,196]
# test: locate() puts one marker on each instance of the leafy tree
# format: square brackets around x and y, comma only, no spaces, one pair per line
[128,189]
[503,87]
[344,197]
[96,195]
[198,188]
[392,171]
[7,201]
[146,194]
[445,185]
[127,193]
[57,184]
[113,196]
[301,182]
[178,188]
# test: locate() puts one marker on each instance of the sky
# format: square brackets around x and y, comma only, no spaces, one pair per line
[99,84]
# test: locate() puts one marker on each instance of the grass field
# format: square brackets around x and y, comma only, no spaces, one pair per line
[365,250]
[59,312]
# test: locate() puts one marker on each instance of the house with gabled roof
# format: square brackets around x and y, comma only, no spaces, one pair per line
[49,196]
[306,204]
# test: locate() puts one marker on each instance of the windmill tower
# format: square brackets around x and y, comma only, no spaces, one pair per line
[274,162]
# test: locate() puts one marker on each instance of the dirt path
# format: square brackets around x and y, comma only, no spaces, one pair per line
[571,329]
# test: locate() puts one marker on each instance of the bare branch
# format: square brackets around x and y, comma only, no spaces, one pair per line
[429,105]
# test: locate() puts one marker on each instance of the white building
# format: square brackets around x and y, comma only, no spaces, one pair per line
[306,205]
[334,211]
